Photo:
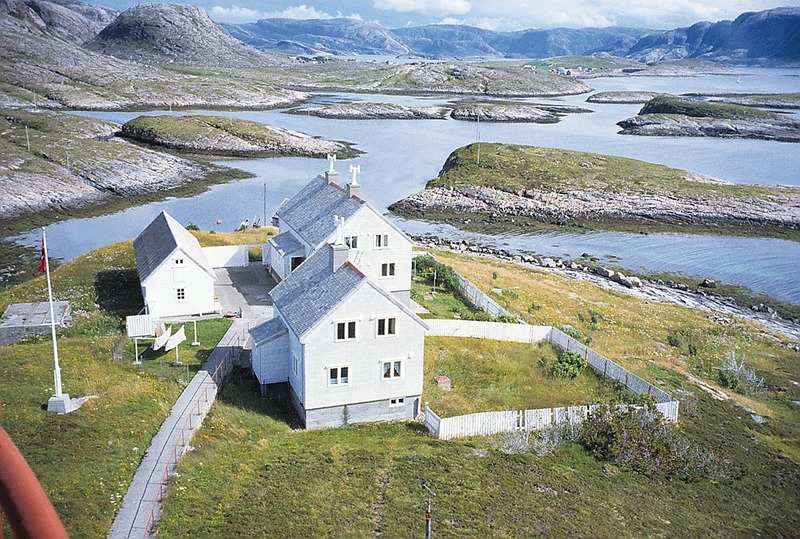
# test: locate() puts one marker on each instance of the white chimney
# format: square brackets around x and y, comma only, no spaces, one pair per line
[353,188]
[339,255]
[331,176]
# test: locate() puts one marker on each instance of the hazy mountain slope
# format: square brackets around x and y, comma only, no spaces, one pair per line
[171,33]
[332,36]
[751,38]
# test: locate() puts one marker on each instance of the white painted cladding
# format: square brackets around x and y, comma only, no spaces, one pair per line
[269,361]
[161,288]
[227,256]
[369,258]
[363,356]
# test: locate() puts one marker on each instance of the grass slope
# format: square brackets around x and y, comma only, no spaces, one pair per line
[704,109]
[86,459]
[252,476]
[515,168]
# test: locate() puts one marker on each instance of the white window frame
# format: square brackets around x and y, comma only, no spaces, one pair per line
[389,327]
[351,241]
[400,401]
[346,324]
[381,241]
[393,364]
[295,365]
[340,379]
[180,292]
[388,270]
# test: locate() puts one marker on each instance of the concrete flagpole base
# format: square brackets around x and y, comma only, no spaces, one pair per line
[62,404]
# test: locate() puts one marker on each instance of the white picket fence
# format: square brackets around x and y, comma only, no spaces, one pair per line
[487,423]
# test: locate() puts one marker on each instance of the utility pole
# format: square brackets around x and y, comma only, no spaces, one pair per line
[265,204]
[428,513]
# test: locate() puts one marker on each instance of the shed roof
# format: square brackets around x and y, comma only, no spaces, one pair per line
[268,331]
[158,241]
[286,243]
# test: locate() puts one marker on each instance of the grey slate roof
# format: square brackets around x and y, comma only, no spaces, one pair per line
[157,242]
[286,243]
[308,294]
[312,291]
[268,331]
[310,212]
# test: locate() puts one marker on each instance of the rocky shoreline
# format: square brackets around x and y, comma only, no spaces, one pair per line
[674,125]
[702,297]
[374,111]
[563,206]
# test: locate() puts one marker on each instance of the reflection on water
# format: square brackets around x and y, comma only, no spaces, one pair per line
[402,155]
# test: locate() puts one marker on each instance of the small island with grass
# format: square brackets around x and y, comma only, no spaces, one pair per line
[220,135]
[687,117]
[520,186]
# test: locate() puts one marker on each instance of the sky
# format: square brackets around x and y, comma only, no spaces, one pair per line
[502,15]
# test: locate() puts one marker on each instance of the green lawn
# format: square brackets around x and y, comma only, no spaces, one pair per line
[251,476]
[491,375]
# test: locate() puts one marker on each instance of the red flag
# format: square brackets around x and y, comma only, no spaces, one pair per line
[43,264]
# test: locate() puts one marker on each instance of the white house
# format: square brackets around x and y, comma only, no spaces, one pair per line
[175,275]
[350,350]
[311,219]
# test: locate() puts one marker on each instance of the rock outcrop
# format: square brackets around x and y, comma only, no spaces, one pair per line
[375,111]
[227,136]
[172,33]
[671,125]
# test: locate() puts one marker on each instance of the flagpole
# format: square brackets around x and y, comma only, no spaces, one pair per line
[57,368]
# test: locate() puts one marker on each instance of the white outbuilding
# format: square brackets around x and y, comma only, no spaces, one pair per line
[175,275]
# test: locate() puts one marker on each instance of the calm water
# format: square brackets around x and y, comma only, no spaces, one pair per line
[401,156]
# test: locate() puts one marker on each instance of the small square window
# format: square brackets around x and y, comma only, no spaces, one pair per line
[397,402]
[346,331]
[387,270]
[392,369]
[338,376]
[180,294]
[387,327]
[381,240]
[179,262]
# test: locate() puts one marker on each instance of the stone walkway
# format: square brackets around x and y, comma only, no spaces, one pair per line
[141,506]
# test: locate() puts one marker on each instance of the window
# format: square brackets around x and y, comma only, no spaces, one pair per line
[180,294]
[296,365]
[387,270]
[179,262]
[346,331]
[351,241]
[381,240]
[387,326]
[392,369]
[397,402]
[338,376]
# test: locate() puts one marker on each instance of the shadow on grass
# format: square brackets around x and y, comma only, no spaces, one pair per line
[118,291]
[241,390]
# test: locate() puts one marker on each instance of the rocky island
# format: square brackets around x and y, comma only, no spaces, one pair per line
[220,135]
[513,112]
[374,111]
[686,117]
[519,185]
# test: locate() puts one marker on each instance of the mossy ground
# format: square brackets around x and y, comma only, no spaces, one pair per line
[250,472]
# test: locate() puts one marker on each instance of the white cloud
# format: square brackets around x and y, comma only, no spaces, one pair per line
[428,7]
[236,14]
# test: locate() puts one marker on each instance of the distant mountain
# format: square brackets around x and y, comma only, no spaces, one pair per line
[762,37]
[71,20]
[171,33]
[463,41]
[771,36]
[330,36]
